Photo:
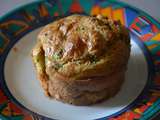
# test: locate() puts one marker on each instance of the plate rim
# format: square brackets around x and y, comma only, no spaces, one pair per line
[36,2]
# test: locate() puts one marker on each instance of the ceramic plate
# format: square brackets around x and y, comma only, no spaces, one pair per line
[21,96]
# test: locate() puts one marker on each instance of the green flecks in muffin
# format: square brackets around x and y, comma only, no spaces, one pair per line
[92,58]
[46,59]
[80,29]
[58,55]
[37,59]
[58,66]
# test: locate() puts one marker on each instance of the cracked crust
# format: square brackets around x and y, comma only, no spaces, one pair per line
[82,56]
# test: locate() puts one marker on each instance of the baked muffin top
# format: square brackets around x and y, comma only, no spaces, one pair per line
[80,46]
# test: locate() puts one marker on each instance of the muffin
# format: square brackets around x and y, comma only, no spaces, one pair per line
[82,60]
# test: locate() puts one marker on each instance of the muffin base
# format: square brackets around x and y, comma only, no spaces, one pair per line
[77,94]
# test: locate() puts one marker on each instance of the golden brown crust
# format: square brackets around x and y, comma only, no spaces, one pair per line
[83,92]
[84,52]
[76,44]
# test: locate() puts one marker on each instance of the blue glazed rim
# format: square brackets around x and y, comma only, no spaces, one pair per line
[140,43]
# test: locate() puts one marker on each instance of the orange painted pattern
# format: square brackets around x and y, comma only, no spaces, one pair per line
[116,14]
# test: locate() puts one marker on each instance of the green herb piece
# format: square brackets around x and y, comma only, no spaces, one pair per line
[37,60]
[46,59]
[58,55]
[80,28]
[93,58]
[58,66]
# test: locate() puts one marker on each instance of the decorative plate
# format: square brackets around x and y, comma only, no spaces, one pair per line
[21,97]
